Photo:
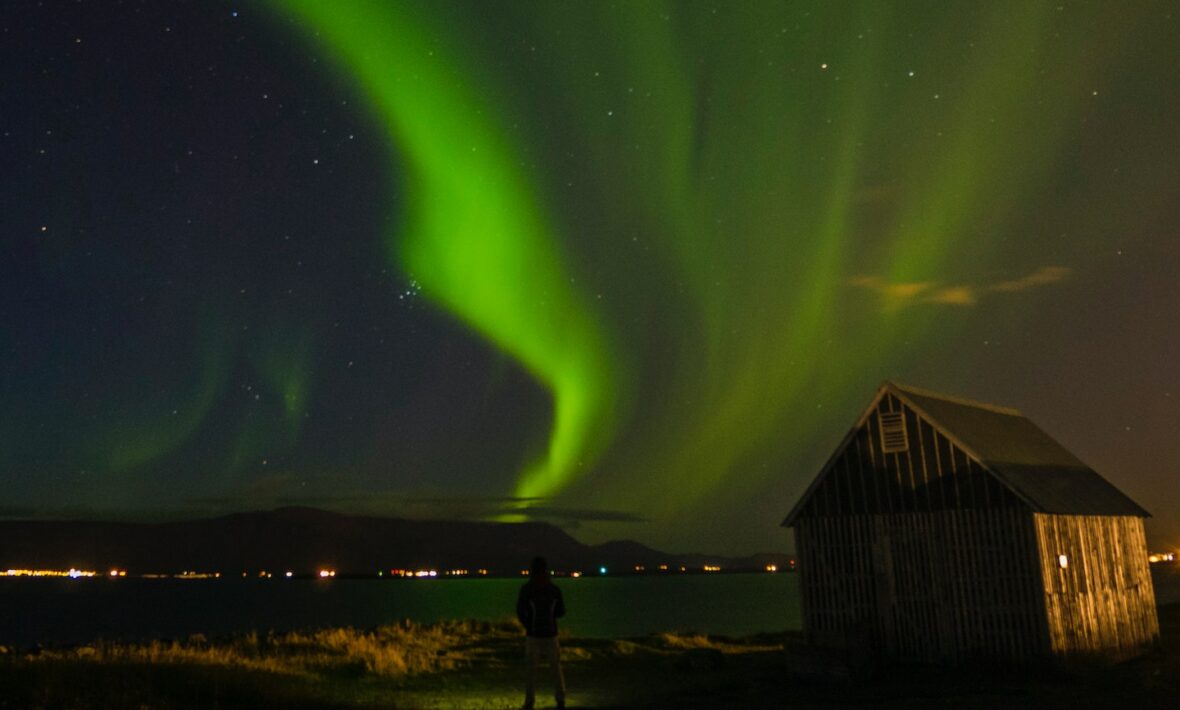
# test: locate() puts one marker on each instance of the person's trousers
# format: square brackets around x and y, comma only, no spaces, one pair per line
[538,650]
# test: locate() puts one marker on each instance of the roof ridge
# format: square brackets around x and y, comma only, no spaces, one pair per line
[922,392]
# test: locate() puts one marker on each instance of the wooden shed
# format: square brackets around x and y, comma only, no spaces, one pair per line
[943,530]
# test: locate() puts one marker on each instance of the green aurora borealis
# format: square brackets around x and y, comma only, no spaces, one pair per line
[476,237]
[706,232]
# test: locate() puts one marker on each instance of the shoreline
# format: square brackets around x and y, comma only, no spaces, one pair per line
[478,664]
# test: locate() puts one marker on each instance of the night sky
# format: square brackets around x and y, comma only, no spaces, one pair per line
[633,268]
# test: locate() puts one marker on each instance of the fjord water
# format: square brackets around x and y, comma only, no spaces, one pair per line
[76,611]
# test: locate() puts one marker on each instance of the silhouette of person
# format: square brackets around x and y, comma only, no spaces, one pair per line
[538,606]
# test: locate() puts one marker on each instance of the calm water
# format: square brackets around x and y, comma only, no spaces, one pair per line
[65,611]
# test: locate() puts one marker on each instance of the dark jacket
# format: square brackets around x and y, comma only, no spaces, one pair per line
[538,607]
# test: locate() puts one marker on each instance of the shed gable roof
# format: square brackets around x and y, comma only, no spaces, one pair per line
[1036,468]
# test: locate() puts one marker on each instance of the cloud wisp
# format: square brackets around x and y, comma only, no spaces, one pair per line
[898,295]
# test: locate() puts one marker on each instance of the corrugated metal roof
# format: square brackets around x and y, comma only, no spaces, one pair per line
[1021,455]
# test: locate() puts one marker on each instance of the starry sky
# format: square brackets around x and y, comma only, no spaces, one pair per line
[633,268]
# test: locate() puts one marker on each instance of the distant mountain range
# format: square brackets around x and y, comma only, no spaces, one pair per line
[304,540]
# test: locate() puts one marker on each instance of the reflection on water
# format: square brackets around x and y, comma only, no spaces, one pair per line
[69,611]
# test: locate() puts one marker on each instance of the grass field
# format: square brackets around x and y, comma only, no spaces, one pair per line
[479,665]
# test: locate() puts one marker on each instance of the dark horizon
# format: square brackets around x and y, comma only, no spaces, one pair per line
[303,541]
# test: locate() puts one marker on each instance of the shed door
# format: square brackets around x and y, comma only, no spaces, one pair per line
[884,588]
[908,607]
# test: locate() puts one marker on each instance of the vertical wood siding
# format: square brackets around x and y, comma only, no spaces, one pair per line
[924,555]
[932,474]
[1102,601]
[943,586]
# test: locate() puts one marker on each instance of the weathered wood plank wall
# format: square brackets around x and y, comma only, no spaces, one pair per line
[944,586]
[926,556]
[1098,592]
[931,474]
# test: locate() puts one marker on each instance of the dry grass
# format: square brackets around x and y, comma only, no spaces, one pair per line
[675,642]
[394,651]
[444,665]
[465,664]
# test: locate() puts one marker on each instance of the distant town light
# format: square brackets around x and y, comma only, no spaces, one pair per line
[575,575]
[192,574]
[72,573]
[602,570]
[772,568]
[290,574]
[325,573]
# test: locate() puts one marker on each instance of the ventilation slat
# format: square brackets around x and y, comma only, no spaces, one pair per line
[893,433]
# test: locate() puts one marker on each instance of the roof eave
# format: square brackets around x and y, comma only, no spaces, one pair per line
[968,450]
[793,515]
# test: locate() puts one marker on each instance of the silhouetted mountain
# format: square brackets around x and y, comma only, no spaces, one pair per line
[307,539]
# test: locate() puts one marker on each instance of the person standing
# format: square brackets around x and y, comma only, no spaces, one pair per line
[538,606]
